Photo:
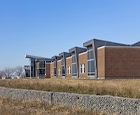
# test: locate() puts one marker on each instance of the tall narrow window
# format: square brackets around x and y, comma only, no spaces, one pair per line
[82,68]
[91,68]
[41,64]
[33,68]
[63,67]
[54,71]
[74,65]
[69,70]
[63,71]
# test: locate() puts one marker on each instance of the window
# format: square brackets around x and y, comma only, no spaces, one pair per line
[62,61]
[74,65]
[63,71]
[41,72]
[90,54]
[91,68]
[73,58]
[58,71]
[33,68]
[41,64]
[69,70]
[82,68]
[74,70]
[54,71]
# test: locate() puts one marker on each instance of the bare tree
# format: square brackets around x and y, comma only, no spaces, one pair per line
[19,71]
[8,72]
[12,72]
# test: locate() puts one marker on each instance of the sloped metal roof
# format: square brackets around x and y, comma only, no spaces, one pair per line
[38,57]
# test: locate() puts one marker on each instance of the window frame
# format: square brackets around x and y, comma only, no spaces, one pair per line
[69,70]
[90,58]
[82,69]
[74,70]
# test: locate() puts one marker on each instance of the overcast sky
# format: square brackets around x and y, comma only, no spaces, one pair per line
[49,27]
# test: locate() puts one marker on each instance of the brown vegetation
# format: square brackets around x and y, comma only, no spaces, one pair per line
[36,107]
[123,88]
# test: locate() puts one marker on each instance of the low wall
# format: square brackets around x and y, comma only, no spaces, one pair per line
[109,104]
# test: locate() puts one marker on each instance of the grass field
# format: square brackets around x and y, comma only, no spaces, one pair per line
[18,107]
[123,88]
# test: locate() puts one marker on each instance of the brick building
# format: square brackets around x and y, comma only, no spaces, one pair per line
[97,59]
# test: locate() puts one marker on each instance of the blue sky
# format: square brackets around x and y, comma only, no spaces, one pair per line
[49,27]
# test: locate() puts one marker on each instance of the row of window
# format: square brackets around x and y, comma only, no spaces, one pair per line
[82,69]
[41,64]
[73,69]
[41,73]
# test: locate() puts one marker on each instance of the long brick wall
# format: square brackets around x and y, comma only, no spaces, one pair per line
[119,62]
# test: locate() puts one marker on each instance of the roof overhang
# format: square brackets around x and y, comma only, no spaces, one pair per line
[88,43]
[38,58]
[65,54]
[77,49]
[56,57]
[136,44]
[72,49]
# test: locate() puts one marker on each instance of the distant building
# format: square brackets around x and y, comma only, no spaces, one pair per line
[27,70]
[98,59]
[39,67]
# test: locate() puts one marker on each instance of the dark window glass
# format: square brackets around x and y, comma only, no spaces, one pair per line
[63,71]
[73,58]
[41,72]
[74,70]
[81,69]
[91,68]
[90,54]
[62,61]
[41,64]
[54,71]
[27,72]
[33,69]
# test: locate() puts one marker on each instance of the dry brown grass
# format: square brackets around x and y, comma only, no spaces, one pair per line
[18,107]
[124,88]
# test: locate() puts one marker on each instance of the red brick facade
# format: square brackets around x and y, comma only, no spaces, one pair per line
[52,69]
[101,63]
[47,70]
[37,65]
[83,60]
[111,61]
[119,62]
